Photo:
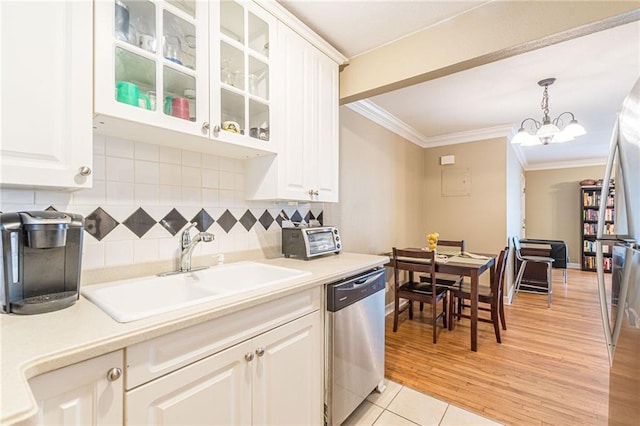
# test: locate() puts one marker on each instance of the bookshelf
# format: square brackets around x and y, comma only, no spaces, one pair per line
[591,200]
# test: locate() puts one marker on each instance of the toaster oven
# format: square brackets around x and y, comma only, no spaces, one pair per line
[307,243]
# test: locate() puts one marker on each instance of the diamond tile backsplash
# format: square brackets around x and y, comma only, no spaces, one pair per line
[144,195]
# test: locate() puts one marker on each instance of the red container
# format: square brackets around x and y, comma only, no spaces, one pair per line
[180,107]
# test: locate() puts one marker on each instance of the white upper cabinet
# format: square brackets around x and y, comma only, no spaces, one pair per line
[190,74]
[306,167]
[46,85]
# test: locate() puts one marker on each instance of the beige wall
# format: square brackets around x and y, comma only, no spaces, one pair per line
[552,204]
[380,187]
[480,217]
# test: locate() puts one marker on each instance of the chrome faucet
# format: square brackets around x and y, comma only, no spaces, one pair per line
[188,245]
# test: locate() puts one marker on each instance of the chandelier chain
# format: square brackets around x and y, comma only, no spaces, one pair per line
[545,103]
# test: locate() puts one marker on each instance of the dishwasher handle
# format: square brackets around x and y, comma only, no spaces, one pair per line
[347,292]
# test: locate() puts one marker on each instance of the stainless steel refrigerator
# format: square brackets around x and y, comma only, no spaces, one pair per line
[620,293]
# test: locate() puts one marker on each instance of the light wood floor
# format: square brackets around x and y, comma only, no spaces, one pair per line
[551,368]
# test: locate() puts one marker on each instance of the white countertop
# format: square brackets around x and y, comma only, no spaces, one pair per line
[35,344]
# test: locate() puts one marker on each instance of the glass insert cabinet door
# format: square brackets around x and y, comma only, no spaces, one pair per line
[152,62]
[243,102]
[198,67]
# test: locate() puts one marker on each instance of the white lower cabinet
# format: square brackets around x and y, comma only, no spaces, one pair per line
[273,378]
[83,394]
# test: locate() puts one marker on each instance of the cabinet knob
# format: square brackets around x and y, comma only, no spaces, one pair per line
[114,374]
[85,171]
[313,193]
[205,127]
[248,356]
[216,129]
[260,351]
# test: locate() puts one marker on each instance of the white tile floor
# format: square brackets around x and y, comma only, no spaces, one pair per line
[399,405]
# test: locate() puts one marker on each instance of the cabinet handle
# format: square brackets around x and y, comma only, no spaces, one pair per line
[216,129]
[260,351]
[248,356]
[205,127]
[85,171]
[114,374]
[313,193]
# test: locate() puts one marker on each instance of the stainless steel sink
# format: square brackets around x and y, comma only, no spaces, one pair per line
[135,299]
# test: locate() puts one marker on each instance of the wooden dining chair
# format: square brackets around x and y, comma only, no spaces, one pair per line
[487,295]
[414,261]
[450,247]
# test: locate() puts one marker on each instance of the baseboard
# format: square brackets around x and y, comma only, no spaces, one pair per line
[573,266]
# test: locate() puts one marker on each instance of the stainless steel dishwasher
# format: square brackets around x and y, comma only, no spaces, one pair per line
[355,343]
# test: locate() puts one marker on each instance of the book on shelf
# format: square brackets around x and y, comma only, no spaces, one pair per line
[590,247]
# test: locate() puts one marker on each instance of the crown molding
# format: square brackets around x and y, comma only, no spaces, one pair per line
[586,162]
[390,122]
[380,116]
[468,136]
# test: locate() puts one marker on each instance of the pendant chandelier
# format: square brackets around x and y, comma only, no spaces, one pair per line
[548,131]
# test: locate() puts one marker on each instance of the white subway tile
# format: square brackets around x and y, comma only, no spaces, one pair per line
[191,159]
[92,254]
[147,172]
[191,176]
[95,196]
[170,195]
[119,169]
[227,180]
[210,178]
[99,143]
[53,198]
[145,250]
[17,196]
[120,233]
[226,243]
[170,155]
[120,193]
[118,253]
[170,174]
[228,164]
[210,198]
[168,248]
[239,184]
[99,167]
[146,195]
[116,147]
[191,196]
[227,198]
[210,162]
[157,231]
[147,152]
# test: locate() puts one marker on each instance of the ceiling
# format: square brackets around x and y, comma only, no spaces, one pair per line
[594,73]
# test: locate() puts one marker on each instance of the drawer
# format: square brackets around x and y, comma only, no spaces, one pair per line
[153,358]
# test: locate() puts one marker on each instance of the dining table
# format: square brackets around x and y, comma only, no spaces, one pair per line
[465,264]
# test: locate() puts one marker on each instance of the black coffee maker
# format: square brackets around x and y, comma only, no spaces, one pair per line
[41,260]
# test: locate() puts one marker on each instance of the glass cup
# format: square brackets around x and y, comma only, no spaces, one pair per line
[152,99]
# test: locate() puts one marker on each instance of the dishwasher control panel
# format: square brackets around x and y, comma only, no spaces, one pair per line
[346,292]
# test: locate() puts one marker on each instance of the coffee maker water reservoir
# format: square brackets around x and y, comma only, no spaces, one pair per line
[41,260]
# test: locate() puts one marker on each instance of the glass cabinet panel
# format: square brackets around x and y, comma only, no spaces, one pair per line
[135,79]
[135,68]
[233,118]
[244,71]
[258,35]
[155,56]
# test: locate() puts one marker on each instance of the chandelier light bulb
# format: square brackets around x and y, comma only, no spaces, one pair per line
[548,131]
